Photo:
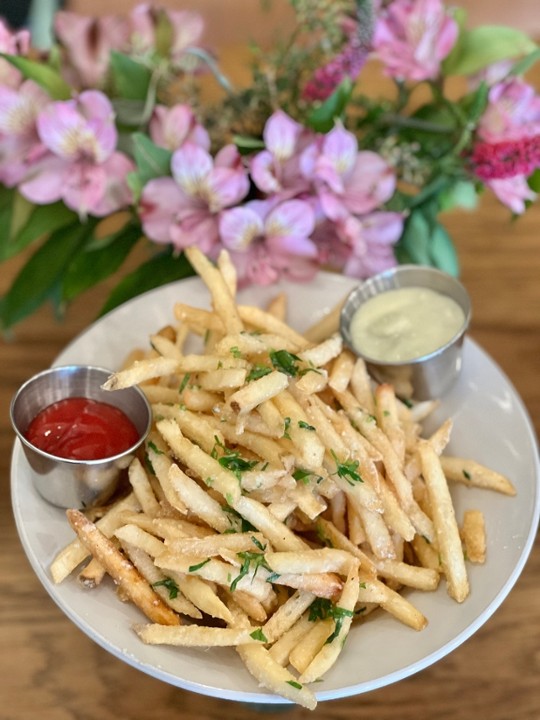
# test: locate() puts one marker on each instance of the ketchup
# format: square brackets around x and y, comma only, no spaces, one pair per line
[78,428]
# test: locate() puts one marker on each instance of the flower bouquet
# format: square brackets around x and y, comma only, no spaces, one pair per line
[109,140]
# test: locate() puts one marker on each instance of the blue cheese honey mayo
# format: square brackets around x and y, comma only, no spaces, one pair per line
[405,324]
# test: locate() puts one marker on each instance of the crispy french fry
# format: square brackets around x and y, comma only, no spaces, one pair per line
[121,570]
[444,519]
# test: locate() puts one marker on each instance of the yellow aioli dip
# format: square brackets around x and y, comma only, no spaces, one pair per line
[405,324]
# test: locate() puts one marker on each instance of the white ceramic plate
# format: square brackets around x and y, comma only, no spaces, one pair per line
[490,425]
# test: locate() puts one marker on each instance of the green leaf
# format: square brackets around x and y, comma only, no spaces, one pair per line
[323,118]
[534,181]
[442,251]
[152,161]
[460,194]
[49,79]
[94,264]
[131,79]
[413,246]
[159,270]
[485,45]
[38,279]
[526,63]
[43,219]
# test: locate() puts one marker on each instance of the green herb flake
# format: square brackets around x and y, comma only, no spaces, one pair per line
[301,475]
[285,362]
[258,371]
[466,475]
[235,351]
[347,470]
[259,635]
[170,585]
[305,426]
[286,426]
[249,559]
[194,568]
[152,445]
[294,684]
[184,383]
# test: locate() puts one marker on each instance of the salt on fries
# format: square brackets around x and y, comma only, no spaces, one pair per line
[282,496]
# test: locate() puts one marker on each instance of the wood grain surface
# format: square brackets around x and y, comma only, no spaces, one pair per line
[50,670]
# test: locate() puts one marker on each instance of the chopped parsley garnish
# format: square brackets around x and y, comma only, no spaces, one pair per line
[194,568]
[231,459]
[184,383]
[152,445]
[259,635]
[347,470]
[258,371]
[170,585]
[248,558]
[242,524]
[305,426]
[285,362]
[294,684]
[321,609]
[287,425]
[258,544]
[466,475]
[235,351]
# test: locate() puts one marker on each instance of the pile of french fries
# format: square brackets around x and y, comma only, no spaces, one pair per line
[282,496]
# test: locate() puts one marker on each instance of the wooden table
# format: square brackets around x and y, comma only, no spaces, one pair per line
[49,669]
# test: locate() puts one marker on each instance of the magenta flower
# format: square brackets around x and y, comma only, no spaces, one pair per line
[346,64]
[88,42]
[184,210]
[412,38]
[81,166]
[350,182]
[268,241]
[12,43]
[19,141]
[497,161]
[277,168]
[172,127]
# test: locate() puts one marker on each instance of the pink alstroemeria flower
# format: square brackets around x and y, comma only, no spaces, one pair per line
[81,167]
[184,210]
[513,112]
[12,43]
[349,182]
[88,42]
[268,241]
[276,170]
[359,247]
[19,142]
[172,127]
[187,29]
[513,192]
[412,38]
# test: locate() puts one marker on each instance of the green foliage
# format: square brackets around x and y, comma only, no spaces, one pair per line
[41,277]
[43,74]
[479,47]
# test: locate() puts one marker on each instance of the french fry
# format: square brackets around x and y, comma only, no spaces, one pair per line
[473,534]
[121,570]
[194,636]
[474,474]
[444,519]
